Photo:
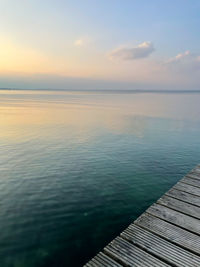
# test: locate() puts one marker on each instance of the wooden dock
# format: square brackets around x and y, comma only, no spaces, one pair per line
[166,234]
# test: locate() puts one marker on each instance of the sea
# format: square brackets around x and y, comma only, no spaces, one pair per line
[77,167]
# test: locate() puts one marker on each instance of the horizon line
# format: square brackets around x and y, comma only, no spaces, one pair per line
[108,90]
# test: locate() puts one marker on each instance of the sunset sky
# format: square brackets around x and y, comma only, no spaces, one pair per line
[107,44]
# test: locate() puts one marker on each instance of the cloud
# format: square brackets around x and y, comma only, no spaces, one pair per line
[179,57]
[185,61]
[143,50]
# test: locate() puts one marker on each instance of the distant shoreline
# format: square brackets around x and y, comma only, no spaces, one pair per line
[126,91]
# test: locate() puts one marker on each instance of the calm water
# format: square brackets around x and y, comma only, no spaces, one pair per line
[77,168]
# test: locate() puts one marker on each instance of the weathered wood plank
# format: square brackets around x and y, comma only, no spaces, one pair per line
[180,206]
[191,181]
[102,259]
[108,261]
[187,188]
[159,247]
[89,264]
[130,255]
[186,197]
[97,261]
[175,217]
[170,232]
[196,169]
[193,175]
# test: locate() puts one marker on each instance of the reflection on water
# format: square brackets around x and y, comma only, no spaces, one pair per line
[77,167]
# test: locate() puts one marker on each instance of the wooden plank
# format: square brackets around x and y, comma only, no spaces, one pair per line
[108,261]
[196,169]
[187,188]
[89,264]
[191,181]
[193,175]
[180,206]
[186,197]
[102,259]
[170,232]
[129,255]
[160,248]
[175,217]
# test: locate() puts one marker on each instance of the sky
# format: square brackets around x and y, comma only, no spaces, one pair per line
[107,44]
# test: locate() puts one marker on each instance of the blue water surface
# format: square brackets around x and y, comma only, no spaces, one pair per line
[76,168]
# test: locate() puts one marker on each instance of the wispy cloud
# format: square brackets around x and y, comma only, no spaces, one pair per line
[179,57]
[186,61]
[143,50]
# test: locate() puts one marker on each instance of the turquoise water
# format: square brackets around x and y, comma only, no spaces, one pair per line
[77,168]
